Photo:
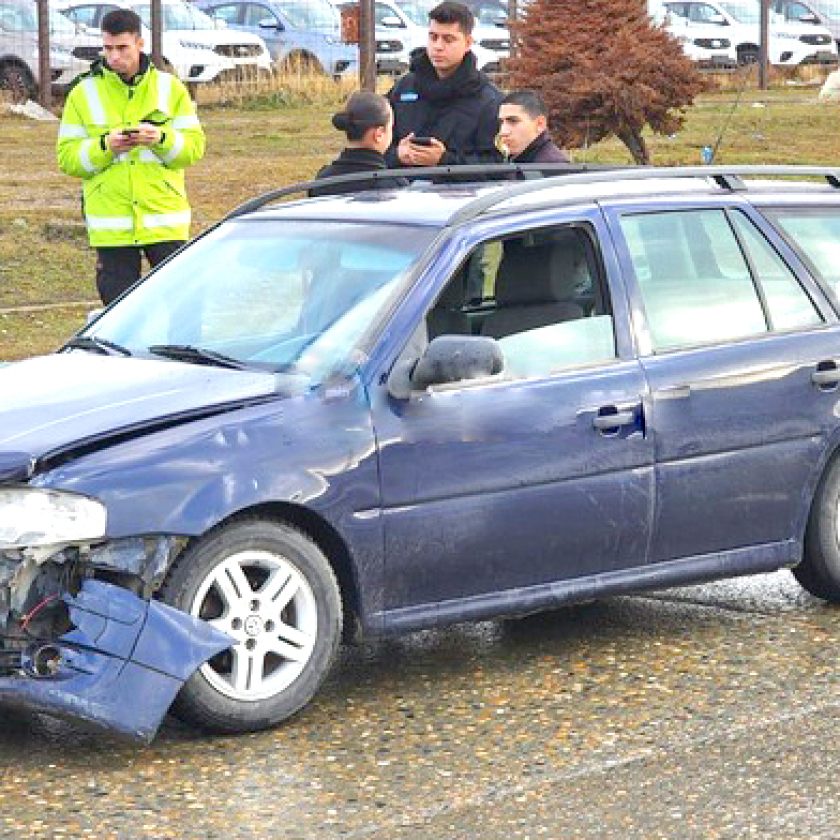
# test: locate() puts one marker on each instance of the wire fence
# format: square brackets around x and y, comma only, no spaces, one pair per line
[202,42]
[242,43]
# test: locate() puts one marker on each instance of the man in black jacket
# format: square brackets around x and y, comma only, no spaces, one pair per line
[444,101]
[523,130]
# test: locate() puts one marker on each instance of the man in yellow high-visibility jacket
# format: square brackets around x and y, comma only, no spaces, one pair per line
[129,130]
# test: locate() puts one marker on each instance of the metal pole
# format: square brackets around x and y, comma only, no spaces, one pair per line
[157,28]
[44,74]
[367,46]
[513,13]
[764,26]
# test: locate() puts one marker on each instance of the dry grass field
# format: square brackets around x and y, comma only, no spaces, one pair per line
[46,268]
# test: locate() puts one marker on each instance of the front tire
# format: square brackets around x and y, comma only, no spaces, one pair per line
[819,571]
[17,82]
[272,589]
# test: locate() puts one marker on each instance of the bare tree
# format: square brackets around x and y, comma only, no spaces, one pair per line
[603,68]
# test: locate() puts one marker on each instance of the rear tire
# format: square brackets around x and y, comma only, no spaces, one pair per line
[272,589]
[819,571]
[302,64]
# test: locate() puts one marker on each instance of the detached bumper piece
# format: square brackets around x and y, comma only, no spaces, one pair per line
[119,668]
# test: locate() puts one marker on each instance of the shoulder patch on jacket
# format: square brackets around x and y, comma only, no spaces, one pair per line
[409,96]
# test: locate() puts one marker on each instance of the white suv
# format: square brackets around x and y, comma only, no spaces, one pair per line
[707,46]
[790,42]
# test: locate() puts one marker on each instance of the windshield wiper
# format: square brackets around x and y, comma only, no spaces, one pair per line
[98,345]
[200,355]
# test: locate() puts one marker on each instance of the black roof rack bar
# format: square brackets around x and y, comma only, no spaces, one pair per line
[730,182]
[726,177]
[447,174]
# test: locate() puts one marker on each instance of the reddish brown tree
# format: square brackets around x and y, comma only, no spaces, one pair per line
[603,68]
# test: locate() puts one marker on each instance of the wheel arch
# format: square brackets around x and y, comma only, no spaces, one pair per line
[17,62]
[830,454]
[328,540]
[746,48]
[301,59]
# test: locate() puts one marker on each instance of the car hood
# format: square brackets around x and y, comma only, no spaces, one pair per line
[217,37]
[57,402]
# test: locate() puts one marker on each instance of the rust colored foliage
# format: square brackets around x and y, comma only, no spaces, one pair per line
[603,68]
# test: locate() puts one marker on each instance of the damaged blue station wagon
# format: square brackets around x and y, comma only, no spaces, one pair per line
[361,415]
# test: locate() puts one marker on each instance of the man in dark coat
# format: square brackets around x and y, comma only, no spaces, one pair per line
[523,130]
[444,101]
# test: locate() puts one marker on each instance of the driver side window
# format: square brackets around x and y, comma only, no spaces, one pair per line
[541,295]
[254,13]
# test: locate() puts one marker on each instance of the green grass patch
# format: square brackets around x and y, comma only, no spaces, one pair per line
[30,333]
[282,136]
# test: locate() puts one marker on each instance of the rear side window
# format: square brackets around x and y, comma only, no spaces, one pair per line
[709,277]
[254,13]
[815,235]
[788,307]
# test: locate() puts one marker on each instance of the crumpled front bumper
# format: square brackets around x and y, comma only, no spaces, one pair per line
[120,666]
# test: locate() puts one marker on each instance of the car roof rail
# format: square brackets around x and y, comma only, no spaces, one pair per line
[423,176]
[524,179]
[730,178]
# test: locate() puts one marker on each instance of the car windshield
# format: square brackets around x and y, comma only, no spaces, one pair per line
[741,12]
[177,16]
[827,10]
[417,11]
[491,17]
[317,15]
[23,17]
[292,296]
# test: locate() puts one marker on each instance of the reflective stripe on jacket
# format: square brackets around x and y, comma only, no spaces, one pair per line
[137,197]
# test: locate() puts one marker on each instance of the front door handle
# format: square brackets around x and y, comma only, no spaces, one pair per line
[610,419]
[826,375]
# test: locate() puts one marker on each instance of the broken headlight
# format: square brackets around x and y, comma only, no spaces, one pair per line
[33,517]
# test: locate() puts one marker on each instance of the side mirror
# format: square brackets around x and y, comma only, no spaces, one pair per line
[447,359]
[809,17]
[719,19]
[391,21]
[270,23]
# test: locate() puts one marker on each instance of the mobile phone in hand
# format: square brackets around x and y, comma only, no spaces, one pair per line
[421,141]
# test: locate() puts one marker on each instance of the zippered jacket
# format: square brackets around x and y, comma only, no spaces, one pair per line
[136,197]
[462,111]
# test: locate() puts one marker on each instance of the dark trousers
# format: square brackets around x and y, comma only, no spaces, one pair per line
[117,269]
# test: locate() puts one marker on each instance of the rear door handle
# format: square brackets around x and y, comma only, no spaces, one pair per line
[610,419]
[826,374]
